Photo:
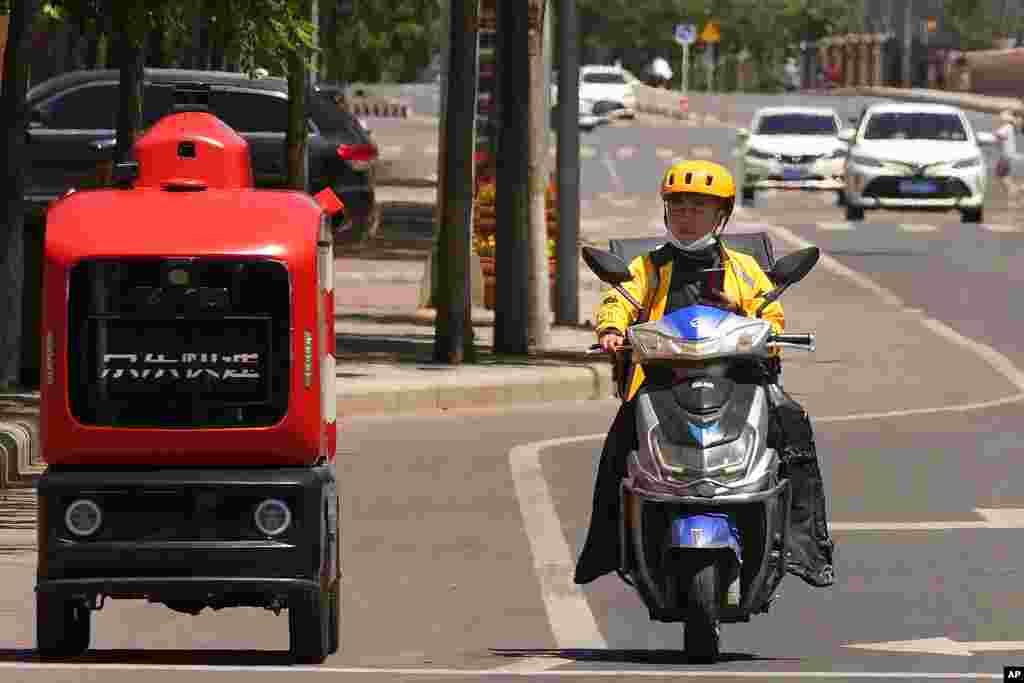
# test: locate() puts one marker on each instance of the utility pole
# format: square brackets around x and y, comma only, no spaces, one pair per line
[453,331]
[567,312]
[907,35]
[512,200]
[539,278]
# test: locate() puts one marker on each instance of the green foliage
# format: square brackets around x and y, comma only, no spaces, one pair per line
[383,40]
[977,22]
[769,30]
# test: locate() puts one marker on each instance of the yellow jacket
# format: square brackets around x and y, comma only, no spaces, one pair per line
[744,281]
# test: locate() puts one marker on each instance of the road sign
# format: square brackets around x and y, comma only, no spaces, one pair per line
[685,34]
[712,33]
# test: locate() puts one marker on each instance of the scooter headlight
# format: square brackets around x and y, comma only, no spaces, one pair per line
[273,517]
[83,517]
[651,344]
[723,461]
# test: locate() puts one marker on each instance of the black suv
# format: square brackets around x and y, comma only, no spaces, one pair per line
[74,116]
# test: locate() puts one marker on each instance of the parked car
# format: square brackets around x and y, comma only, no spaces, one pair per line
[73,120]
[792,148]
[916,156]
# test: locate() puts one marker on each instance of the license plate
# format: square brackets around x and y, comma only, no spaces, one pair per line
[918,187]
[792,173]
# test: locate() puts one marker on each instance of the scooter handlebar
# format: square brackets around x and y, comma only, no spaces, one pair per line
[804,342]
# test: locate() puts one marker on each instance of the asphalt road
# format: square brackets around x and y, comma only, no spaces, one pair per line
[459,530]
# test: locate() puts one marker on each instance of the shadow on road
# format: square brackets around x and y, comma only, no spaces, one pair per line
[659,657]
[160,657]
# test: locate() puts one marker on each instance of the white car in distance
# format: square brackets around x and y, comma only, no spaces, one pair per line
[607,91]
[791,148]
[907,155]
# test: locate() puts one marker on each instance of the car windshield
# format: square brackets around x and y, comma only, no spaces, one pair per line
[914,126]
[797,124]
[604,77]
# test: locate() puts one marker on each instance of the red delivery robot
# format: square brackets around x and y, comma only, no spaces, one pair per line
[188,410]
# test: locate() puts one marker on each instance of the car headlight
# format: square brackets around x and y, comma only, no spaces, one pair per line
[273,517]
[968,163]
[83,517]
[866,161]
[760,154]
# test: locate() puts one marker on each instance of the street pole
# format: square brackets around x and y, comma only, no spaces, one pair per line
[453,332]
[906,44]
[539,278]
[567,312]
[685,70]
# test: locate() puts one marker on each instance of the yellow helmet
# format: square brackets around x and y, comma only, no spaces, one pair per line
[700,177]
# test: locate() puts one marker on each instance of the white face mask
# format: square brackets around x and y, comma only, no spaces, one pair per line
[699,244]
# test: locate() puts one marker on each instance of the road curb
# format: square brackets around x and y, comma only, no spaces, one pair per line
[474,387]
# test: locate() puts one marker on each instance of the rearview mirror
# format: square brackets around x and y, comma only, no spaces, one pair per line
[792,268]
[606,266]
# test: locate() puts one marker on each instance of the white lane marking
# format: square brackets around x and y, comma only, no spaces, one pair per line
[613,174]
[624,203]
[572,622]
[941,646]
[998,361]
[702,152]
[845,225]
[625,153]
[917,227]
[999,227]
[477,673]
[910,412]
[664,153]
[992,518]
[526,666]
[588,152]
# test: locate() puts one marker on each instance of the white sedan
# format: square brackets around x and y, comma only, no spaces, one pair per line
[916,156]
[792,148]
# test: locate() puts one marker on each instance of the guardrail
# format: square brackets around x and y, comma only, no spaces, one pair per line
[379,106]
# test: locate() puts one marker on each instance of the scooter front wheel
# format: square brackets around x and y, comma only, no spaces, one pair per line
[702,633]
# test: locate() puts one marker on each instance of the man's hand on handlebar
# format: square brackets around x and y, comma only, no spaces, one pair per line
[611,341]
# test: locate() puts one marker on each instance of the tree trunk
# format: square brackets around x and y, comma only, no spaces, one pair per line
[12,233]
[295,140]
[512,197]
[540,280]
[129,112]
[453,339]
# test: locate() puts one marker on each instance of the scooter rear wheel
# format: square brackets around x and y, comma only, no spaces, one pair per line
[701,635]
